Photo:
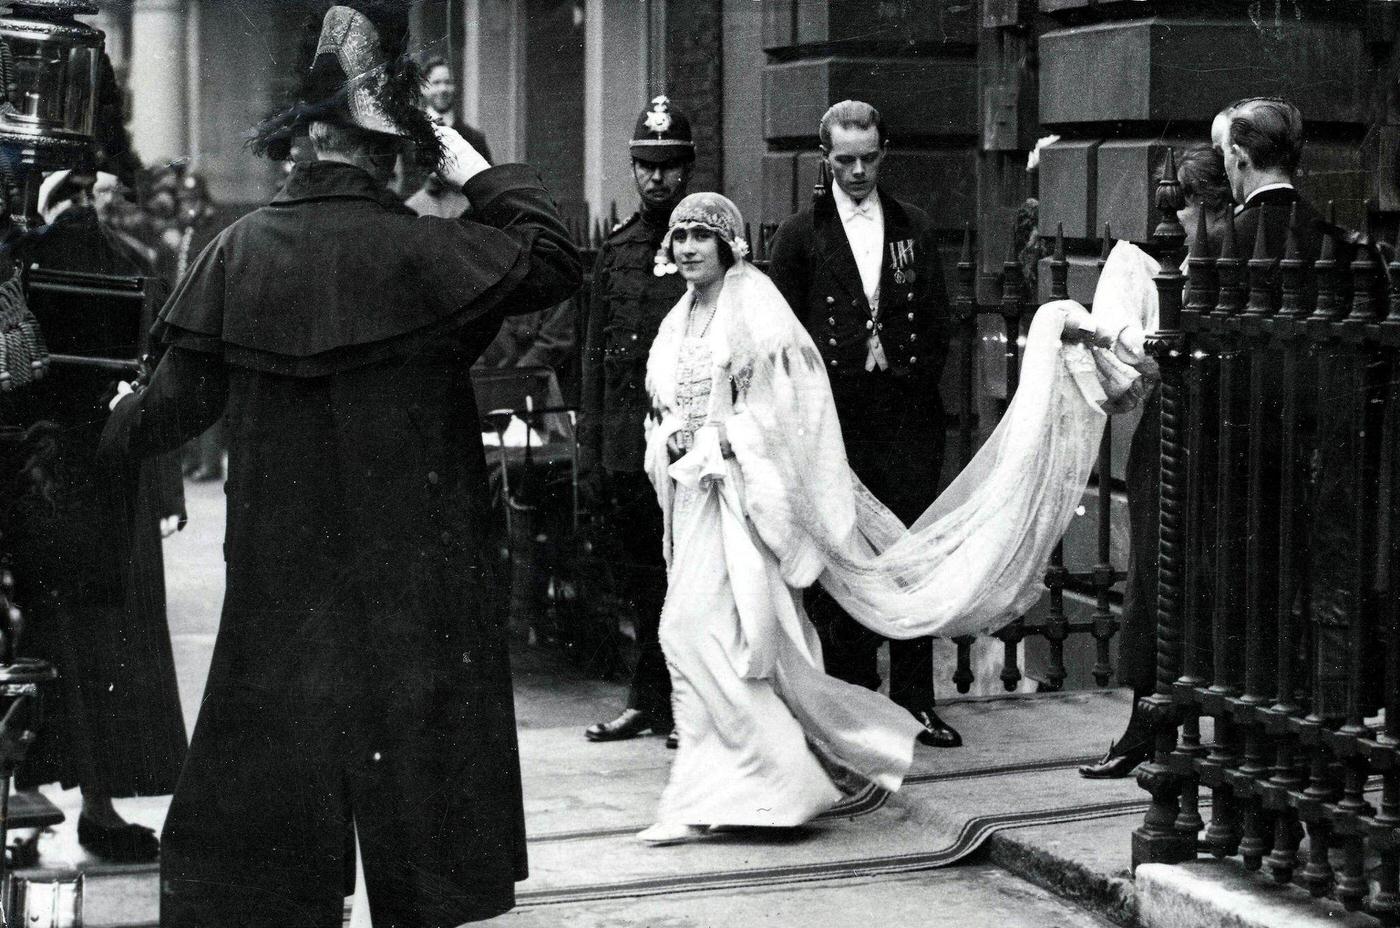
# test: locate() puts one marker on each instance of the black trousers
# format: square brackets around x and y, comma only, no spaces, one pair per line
[634,520]
[894,439]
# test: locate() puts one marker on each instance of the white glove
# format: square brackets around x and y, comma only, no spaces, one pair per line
[1081,326]
[460,161]
[123,390]
[169,525]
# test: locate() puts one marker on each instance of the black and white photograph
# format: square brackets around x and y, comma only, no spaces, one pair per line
[700,463]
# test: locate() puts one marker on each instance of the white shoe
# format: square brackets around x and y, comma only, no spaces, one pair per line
[664,833]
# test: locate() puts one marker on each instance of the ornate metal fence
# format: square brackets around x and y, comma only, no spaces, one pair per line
[1013,312]
[1278,608]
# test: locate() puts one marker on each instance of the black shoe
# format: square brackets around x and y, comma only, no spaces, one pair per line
[123,844]
[1116,763]
[673,740]
[630,724]
[937,733]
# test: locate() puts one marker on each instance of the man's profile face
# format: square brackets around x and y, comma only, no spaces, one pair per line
[1220,141]
[854,158]
[439,89]
[663,184]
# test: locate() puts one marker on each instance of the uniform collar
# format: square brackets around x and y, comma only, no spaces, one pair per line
[1261,193]
[319,180]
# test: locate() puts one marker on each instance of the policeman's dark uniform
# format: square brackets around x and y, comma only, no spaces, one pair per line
[891,420]
[628,302]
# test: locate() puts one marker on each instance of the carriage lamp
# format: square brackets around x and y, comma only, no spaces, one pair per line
[50,65]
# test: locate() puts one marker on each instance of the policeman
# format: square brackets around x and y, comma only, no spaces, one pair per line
[631,294]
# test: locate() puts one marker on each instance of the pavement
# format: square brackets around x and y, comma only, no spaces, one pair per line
[583,801]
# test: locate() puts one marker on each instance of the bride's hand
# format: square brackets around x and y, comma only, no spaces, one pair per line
[1079,325]
[674,451]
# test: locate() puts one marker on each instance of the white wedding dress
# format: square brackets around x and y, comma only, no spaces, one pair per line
[765,735]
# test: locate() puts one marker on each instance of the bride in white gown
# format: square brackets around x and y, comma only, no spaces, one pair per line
[745,453]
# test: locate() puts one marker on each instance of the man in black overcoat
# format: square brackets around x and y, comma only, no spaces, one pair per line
[861,270]
[630,296]
[360,683]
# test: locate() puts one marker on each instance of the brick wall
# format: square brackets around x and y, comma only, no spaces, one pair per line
[694,80]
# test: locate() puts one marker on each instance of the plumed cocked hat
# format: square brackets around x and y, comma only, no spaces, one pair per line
[361,75]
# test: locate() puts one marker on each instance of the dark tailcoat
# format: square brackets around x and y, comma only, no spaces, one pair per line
[361,671]
[89,568]
[892,421]
[627,303]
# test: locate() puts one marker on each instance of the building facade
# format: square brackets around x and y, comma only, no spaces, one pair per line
[966,87]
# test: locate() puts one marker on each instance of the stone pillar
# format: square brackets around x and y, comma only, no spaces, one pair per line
[1121,90]
[157,79]
[742,126]
[115,21]
[493,97]
[613,93]
[695,81]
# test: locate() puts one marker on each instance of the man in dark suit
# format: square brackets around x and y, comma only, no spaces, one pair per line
[1261,140]
[862,272]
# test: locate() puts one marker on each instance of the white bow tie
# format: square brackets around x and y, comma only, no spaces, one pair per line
[864,210]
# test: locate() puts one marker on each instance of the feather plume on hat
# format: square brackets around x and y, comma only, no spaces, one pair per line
[361,75]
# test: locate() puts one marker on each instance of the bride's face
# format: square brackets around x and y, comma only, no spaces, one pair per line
[696,249]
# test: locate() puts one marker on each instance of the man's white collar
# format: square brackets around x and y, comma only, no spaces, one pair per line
[849,208]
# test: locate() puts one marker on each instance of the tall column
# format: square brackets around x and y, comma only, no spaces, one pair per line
[611,99]
[158,82]
[493,97]
[115,21]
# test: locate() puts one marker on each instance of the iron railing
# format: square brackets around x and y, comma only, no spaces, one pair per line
[1013,311]
[1280,419]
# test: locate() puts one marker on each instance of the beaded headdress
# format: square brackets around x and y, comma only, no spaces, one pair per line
[709,211]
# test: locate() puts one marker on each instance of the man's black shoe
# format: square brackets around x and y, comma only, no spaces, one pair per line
[126,844]
[673,740]
[630,724]
[1116,763]
[937,733]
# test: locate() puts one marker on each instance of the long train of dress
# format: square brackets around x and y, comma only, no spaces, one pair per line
[744,534]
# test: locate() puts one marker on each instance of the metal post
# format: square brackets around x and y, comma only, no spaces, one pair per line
[1056,628]
[1157,839]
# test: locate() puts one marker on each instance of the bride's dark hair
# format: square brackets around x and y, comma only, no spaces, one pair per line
[1202,175]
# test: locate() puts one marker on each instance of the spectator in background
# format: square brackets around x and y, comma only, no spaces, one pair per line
[430,196]
[195,225]
[539,339]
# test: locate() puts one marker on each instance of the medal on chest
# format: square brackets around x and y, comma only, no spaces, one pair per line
[902,261]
